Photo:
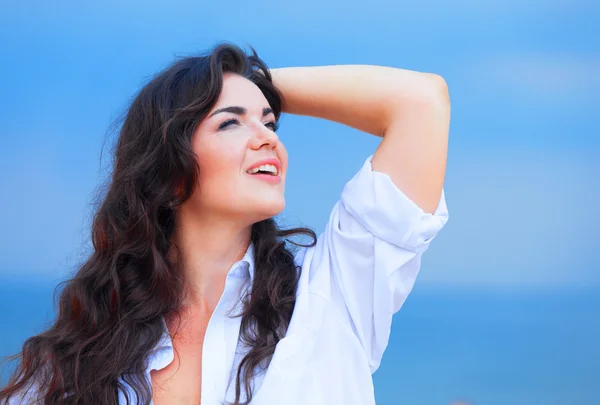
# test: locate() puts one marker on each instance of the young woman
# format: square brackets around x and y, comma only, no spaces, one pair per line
[192,295]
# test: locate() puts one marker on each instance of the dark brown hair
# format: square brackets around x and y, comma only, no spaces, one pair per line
[110,312]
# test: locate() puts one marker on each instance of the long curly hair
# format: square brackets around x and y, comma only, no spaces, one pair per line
[110,313]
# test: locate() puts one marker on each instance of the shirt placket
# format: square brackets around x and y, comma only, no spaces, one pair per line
[220,341]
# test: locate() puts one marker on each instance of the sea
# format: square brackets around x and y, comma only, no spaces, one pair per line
[448,346]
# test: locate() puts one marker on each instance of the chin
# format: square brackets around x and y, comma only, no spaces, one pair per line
[275,209]
[269,209]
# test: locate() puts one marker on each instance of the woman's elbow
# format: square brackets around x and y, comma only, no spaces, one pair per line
[439,88]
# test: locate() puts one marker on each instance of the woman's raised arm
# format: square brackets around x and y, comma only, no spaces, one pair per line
[409,109]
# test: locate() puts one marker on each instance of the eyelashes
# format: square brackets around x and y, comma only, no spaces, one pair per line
[274,126]
[227,123]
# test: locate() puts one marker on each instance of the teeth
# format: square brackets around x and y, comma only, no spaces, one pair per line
[264,168]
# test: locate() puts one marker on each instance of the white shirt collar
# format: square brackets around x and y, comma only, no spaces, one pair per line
[162,354]
[244,267]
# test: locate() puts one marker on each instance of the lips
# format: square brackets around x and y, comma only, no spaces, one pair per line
[268,167]
[267,170]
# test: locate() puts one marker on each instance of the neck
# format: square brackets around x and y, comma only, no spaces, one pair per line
[208,247]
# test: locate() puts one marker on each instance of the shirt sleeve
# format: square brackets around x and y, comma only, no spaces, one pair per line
[374,240]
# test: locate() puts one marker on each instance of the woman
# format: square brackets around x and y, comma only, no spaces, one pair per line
[192,295]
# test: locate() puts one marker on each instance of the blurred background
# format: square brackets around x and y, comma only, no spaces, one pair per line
[506,309]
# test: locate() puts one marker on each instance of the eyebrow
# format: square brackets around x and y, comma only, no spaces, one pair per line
[239,111]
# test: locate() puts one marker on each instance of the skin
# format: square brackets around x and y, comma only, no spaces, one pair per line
[409,110]
[224,205]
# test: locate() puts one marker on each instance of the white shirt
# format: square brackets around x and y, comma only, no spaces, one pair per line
[352,282]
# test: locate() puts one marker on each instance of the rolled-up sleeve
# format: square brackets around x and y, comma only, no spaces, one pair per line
[374,242]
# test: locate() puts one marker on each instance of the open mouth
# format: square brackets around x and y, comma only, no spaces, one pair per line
[267,169]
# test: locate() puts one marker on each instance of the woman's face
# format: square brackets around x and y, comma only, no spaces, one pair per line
[234,141]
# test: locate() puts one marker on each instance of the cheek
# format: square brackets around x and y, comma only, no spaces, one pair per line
[219,172]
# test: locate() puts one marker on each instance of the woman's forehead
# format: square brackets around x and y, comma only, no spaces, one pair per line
[239,91]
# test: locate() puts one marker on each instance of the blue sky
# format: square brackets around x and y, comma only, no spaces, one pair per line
[525,134]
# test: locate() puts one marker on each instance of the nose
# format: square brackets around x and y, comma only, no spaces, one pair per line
[263,136]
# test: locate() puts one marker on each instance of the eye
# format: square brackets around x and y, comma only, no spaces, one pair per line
[273,125]
[228,122]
